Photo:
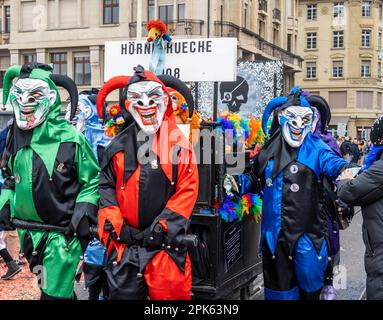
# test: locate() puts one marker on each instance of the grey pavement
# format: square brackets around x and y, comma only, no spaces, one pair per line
[352,258]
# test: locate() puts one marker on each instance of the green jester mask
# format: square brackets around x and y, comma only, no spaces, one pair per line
[34,95]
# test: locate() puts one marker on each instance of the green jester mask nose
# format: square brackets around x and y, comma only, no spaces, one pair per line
[34,95]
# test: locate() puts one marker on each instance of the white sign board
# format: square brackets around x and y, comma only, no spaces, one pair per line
[213,59]
[341,129]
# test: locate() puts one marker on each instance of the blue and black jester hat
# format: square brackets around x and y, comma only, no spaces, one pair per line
[297,97]
[276,147]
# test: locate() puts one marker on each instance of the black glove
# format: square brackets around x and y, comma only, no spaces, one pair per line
[154,237]
[82,232]
[125,235]
[5,218]
[344,209]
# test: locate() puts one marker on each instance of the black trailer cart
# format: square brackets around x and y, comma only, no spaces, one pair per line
[226,262]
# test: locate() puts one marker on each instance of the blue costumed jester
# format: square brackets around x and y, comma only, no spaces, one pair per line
[288,172]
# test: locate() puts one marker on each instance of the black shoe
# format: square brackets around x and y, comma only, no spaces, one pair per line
[13,269]
[20,262]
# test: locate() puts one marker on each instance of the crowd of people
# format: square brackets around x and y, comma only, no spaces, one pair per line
[122,202]
[354,150]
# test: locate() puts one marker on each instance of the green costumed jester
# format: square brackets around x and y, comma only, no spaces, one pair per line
[50,192]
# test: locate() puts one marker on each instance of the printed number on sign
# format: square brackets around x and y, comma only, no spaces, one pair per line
[170,72]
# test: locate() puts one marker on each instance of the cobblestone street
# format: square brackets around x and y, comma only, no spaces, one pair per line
[21,287]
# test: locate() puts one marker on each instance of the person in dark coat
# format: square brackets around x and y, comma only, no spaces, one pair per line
[366,190]
[347,150]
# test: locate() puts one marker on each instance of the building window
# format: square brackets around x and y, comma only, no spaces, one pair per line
[380,41]
[262,28]
[166,13]
[338,99]
[60,63]
[364,99]
[7,10]
[151,10]
[311,12]
[366,8]
[311,70]
[311,40]
[82,70]
[245,12]
[338,11]
[338,37]
[337,69]
[366,38]
[379,70]
[380,100]
[29,58]
[111,11]
[181,12]
[289,42]
[365,69]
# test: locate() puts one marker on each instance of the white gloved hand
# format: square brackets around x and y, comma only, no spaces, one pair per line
[230,185]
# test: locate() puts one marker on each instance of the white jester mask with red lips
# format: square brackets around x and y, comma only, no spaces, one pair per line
[147,102]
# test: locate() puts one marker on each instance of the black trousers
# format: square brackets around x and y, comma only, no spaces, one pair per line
[279,272]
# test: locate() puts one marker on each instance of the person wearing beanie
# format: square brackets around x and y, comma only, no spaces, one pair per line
[366,190]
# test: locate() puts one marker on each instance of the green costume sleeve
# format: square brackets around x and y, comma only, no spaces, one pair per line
[8,190]
[88,174]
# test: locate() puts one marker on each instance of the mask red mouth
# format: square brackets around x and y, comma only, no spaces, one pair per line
[148,115]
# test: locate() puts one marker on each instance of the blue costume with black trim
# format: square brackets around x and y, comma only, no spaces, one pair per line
[294,226]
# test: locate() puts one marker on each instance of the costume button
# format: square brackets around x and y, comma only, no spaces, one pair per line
[151,238]
[122,188]
[320,258]
[67,249]
[294,169]
[177,249]
[139,275]
[273,257]
[269,182]
[172,183]
[290,258]
[17,178]
[81,257]
[168,247]
[34,253]
[294,188]
[114,263]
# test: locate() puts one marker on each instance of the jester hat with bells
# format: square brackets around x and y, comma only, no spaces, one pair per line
[46,137]
[123,82]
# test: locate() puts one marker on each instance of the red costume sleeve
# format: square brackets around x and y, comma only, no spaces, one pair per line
[109,209]
[183,201]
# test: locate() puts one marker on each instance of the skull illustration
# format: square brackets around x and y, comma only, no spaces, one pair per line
[234,94]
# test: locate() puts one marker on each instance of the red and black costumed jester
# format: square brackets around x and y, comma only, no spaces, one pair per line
[148,188]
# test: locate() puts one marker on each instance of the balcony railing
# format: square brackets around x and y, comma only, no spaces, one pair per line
[276,14]
[185,27]
[229,29]
[262,5]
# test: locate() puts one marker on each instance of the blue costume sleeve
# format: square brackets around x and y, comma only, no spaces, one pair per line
[166,37]
[244,183]
[330,163]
